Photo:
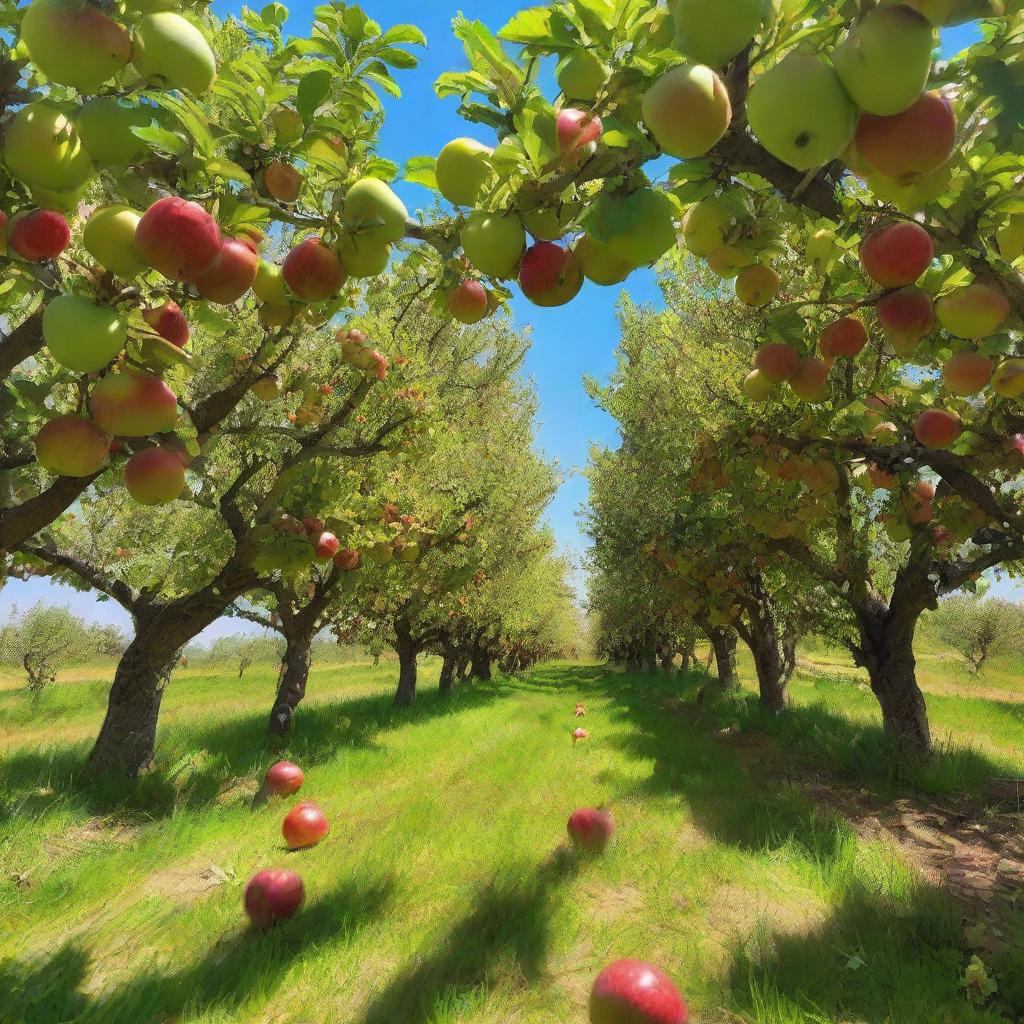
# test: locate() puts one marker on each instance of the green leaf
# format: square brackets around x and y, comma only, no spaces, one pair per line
[221,167]
[397,58]
[541,27]
[162,140]
[403,34]
[421,170]
[378,167]
[312,91]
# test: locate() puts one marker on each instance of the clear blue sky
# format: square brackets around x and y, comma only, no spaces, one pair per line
[567,342]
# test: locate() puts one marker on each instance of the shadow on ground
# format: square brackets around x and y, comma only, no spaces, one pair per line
[194,763]
[244,965]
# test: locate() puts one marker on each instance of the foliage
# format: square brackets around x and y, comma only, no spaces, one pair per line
[979,629]
[46,639]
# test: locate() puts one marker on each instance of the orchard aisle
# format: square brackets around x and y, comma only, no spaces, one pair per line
[443,892]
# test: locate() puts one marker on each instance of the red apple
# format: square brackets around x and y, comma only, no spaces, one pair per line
[906,316]
[591,828]
[313,271]
[39,235]
[938,428]
[844,337]
[777,361]
[549,275]
[897,254]
[231,275]
[347,559]
[907,146]
[967,373]
[283,778]
[155,476]
[71,446]
[273,896]
[282,181]
[810,382]
[577,128]
[127,403]
[634,992]
[468,302]
[169,322]
[178,238]
[326,546]
[579,734]
[304,825]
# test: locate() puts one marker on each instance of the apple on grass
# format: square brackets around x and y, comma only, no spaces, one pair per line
[283,779]
[579,734]
[590,829]
[271,896]
[635,992]
[304,825]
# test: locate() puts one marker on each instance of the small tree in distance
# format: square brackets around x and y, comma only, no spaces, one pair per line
[979,629]
[44,640]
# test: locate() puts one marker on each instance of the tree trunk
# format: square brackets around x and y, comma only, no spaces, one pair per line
[127,739]
[723,642]
[771,673]
[406,692]
[888,649]
[686,657]
[462,670]
[292,685]
[447,675]
[480,667]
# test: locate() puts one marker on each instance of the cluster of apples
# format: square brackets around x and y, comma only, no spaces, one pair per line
[894,256]
[273,895]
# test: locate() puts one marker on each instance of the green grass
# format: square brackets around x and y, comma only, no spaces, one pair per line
[443,893]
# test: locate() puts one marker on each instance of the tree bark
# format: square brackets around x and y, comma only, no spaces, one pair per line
[20,523]
[292,686]
[447,675]
[462,670]
[723,642]
[406,649]
[771,674]
[480,666]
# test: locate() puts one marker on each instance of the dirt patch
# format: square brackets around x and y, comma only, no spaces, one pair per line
[186,883]
[741,912]
[611,902]
[96,831]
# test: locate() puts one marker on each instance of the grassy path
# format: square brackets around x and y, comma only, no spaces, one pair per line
[443,893]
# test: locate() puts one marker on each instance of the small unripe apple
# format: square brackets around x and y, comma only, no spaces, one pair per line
[82,335]
[169,322]
[282,181]
[634,992]
[463,168]
[178,238]
[777,361]
[70,445]
[581,75]
[313,271]
[757,285]
[355,349]
[974,311]
[272,896]
[362,257]
[109,237]
[468,302]
[1010,238]
[171,53]
[268,284]
[39,235]
[267,388]
[713,32]
[304,826]
[155,476]
[706,225]
[821,249]
[105,127]
[599,264]
[897,254]
[728,260]
[1008,379]
[286,124]
[757,387]
[938,428]
[374,212]
[494,243]
[273,315]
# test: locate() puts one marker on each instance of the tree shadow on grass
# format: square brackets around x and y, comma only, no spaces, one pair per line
[195,761]
[245,964]
[504,936]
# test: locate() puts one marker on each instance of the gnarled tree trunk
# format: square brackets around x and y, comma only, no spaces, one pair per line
[291,687]
[448,666]
[480,665]
[723,643]
[407,652]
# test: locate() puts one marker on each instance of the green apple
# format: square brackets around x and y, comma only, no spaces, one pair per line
[637,228]
[494,243]
[109,237]
[821,249]
[1010,238]
[374,212]
[171,53]
[581,75]
[714,31]
[687,110]
[599,264]
[74,43]
[42,148]
[287,125]
[801,113]
[105,127]
[80,335]
[706,226]
[269,284]
[885,60]
[364,257]
[463,168]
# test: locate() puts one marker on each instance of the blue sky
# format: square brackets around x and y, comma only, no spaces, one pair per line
[567,342]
